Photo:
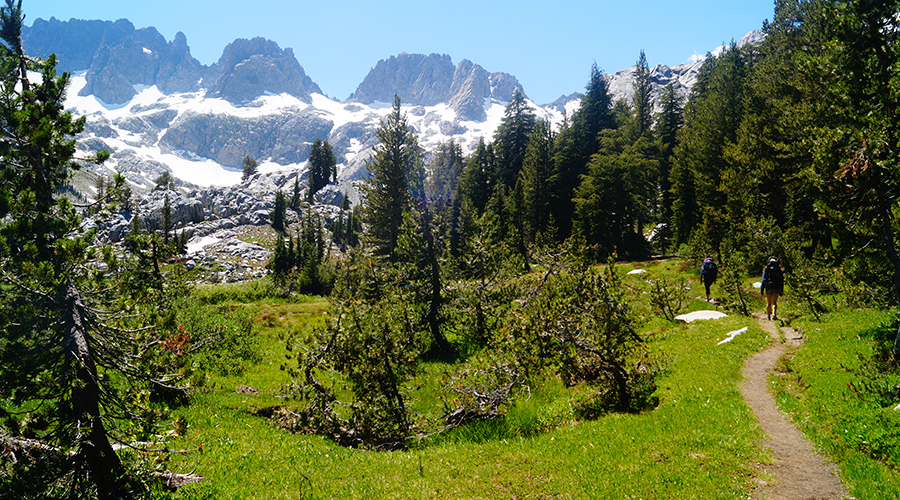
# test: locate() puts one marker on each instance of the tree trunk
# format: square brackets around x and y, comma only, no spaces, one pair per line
[888,235]
[444,347]
[104,465]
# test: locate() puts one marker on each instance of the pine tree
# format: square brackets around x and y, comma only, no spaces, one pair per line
[534,177]
[511,138]
[594,115]
[295,196]
[862,135]
[613,196]
[387,187]
[164,182]
[167,224]
[712,119]
[478,177]
[100,186]
[278,211]
[643,104]
[417,254]
[249,167]
[63,361]
[446,165]
[354,226]
[281,260]
[669,121]
[574,146]
[322,166]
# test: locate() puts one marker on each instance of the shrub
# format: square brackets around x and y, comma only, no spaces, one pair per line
[668,297]
[218,338]
[374,349]
[578,322]
[251,291]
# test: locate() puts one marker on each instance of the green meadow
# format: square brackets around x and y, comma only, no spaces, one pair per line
[700,441]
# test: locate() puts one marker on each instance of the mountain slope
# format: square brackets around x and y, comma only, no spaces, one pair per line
[157,109]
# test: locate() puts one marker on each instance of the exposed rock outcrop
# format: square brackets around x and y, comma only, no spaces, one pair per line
[422,80]
[251,68]
[284,138]
[117,57]
[185,210]
[75,42]
[681,76]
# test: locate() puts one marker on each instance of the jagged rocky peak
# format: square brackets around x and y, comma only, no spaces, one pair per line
[418,79]
[422,80]
[754,37]
[116,56]
[251,68]
[74,42]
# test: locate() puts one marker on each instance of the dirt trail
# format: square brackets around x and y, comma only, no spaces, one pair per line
[798,472]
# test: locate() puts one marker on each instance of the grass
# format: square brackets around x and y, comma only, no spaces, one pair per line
[699,442]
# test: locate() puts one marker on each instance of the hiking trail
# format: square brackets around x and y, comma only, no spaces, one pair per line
[797,471]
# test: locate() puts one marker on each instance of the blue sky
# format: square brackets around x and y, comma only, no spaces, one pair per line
[548,46]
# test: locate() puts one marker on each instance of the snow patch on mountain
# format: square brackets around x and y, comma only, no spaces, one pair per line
[201,137]
[133,131]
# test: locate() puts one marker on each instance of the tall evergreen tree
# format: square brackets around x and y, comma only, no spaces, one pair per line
[535,177]
[612,199]
[322,166]
[387,189]
[859,159]
[479,176]
[712,117]
[278,211]
[295,194]
[68,356]
[770,159]
[642,102]
[594,115]
[167,224]
[446,166]
[574,146]
[511,138]
[669,121]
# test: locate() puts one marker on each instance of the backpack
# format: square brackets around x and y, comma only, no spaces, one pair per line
[773,277]
[709,269]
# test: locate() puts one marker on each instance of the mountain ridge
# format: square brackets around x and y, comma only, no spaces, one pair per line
[156,108]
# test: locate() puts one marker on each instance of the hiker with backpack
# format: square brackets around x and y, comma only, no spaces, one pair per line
[772,286]
[708,274]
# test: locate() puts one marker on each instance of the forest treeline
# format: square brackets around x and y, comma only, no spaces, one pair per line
[783,148]
[789,144]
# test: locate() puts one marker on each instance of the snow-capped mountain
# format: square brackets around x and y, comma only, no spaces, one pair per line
[156,108]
